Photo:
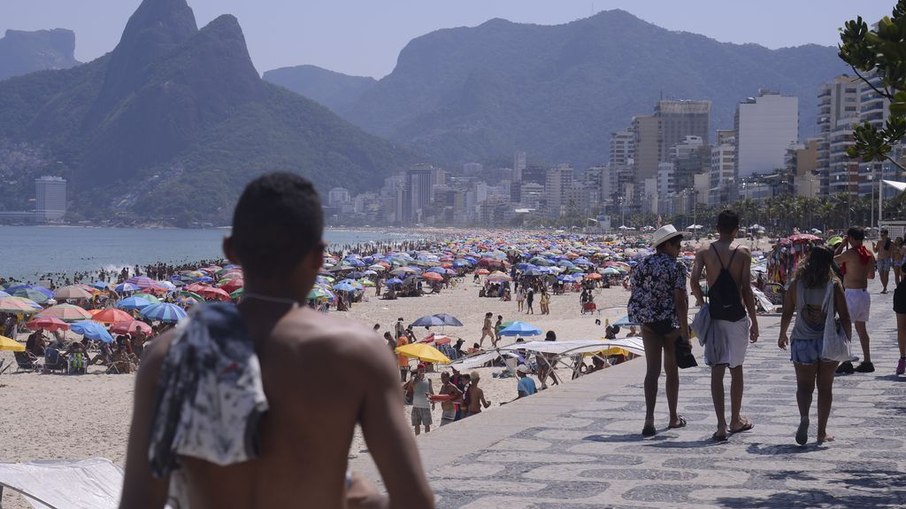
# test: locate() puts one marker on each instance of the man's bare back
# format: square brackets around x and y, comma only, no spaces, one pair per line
[739,267]
[855,273]
[321,376]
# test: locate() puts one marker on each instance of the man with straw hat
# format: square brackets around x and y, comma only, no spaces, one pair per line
[659,302]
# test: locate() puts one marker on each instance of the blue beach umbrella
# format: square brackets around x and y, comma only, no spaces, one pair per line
[131,303]
[92,330]
[4,294]
[126,287]
[428,321]
[520,329]
[448,319]
[163,312]
[624,322]
[100,285]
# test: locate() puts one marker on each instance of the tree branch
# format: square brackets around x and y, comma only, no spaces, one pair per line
[863,78]
[895,163]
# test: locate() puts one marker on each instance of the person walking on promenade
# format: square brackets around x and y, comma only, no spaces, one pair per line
[730,300]
[659,301]
[218,413]
[857,265]
[899,308]
[813,293]
[884,250]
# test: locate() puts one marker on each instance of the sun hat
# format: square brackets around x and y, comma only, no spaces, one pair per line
[522,369]
[663,234]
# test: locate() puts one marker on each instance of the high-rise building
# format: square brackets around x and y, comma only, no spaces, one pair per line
[646,143]
[518,166]
[838,99]
[337,196]
[679,119]
[50,199]
[558,181]
[420,183]
[723,177]
[766,126]
[622,148]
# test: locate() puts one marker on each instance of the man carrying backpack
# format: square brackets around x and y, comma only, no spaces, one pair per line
[730,299]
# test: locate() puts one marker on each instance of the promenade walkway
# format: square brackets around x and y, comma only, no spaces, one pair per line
[578,445]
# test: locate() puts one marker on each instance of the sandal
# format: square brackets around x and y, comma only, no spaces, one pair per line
[746,426]
[649,430]
[717,437]
[681,423]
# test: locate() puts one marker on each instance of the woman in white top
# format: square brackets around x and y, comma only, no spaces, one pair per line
[808,296]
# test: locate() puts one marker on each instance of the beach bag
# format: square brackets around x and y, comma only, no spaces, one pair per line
[836,343]
[724,300]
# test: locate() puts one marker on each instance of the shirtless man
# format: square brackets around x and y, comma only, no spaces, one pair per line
[730,268]
[883,248]
[305,435]
[857,266]
[448,406]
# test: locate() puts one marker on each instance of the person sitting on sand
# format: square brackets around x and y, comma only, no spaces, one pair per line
[277,445]
[526,386]
[36,343]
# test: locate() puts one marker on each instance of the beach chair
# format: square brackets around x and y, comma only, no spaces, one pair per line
[53,361]
[25,361]
[76,364]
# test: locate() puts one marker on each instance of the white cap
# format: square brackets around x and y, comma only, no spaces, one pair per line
[522,369]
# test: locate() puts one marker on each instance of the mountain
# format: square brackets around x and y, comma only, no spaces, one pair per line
[25,52]
[466,94]
[332,89]
[170,125]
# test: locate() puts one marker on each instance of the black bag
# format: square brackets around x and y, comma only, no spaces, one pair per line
[684,357]
[724,300]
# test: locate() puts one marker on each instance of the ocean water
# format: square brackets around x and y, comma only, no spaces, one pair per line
[26,252]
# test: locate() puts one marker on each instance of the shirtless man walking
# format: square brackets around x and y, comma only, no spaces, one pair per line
[290,450]
[857,265]
[883,248]
[728,271]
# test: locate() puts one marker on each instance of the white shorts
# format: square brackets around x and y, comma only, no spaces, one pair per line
[731,341]
[859,304]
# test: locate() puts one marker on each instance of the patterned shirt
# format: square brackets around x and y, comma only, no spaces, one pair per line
[653,282]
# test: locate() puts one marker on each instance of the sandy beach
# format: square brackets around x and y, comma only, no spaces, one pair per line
[51,416]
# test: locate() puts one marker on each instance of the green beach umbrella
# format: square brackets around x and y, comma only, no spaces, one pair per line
[148,297]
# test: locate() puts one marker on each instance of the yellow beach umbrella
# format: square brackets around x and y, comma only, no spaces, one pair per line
[423,352]
[14,346]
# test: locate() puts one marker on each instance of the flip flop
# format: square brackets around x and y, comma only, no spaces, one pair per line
[649,430]
[717,437]
[680,424]
[746,426]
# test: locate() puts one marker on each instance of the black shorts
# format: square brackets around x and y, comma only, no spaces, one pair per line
[899,298]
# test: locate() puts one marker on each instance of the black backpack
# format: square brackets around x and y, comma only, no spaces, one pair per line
[724,300]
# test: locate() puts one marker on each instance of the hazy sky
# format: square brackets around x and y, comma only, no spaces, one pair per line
[364,37]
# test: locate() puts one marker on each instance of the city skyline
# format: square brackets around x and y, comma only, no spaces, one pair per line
[364,38]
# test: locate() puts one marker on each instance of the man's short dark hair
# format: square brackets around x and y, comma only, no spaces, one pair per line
[884,231]
[856,233]
[727,221]
[277,222]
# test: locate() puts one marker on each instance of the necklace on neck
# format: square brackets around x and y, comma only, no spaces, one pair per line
[267,298]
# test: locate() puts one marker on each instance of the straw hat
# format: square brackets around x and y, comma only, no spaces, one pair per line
[663,234]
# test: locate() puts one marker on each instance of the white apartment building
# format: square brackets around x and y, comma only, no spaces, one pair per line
[766,125]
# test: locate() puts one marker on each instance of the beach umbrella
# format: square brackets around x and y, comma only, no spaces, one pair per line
[126,288]
[100,285]
[66,312]
[498,276]
[153,299]
[235,295]
[130,327]
[141,281]
[233,284]
[17,305]
[520,329]
[593,275]
[163,312]
[92,330]
[394,281]
[404,271]
[190,295]
[71,292]
[344,287]
[35,293]
[428,321]
[320,293]
[214,294]
[134,302]
[432,276]
[11,345]
[111,315]
[610,271]
[423,352]
[47,323]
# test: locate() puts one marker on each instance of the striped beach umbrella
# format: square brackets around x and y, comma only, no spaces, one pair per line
[163,312]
